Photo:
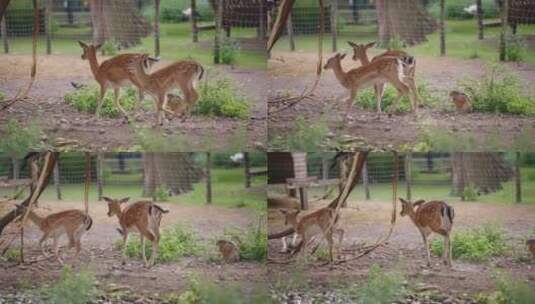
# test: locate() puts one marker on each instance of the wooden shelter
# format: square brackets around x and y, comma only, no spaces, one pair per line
[521,12]
[243,13]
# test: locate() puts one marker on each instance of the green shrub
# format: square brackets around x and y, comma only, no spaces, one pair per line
[515,48]
[470,193]
[17,139]
[85,100]
[308,136]
[219,98]
[514,291]
[499,94]
[2,96]
[109,49]
[366,99]
[71,288]
[175,242]
[455,9]
[205,291]
[477,245]
[230,50]
[381,288]
[12,255]
[161,194]
[252,242]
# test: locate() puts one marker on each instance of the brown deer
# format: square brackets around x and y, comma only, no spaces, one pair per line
[531,246]
[182,74]
[143,217]
[429,217]
[409,69]
[461,101]
[74,223]
[322,220]
[381,71]
[229,251]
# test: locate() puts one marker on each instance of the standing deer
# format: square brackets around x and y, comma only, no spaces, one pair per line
[381,71]
[74,223]
[409,71]
[321,220]
[182,74]
[143,217]
[112,73]
[429,217]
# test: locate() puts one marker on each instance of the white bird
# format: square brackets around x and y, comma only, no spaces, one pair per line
[472,9]
[237,158]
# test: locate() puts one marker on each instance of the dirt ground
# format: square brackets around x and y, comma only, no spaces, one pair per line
[293,72]
[100,256]
[46,107]
[405,249]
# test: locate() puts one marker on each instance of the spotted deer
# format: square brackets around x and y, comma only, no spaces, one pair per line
[381,71]
[182,74]
[429,217]
[319,221]
[229,251]
[112,73]
[143,217]
[74,223]
[461,101]
[409,70]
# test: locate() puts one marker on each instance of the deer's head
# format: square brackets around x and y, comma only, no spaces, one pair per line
[88,49]
[290,216]
[359,50]
[406,207]
[114,205]
[334,61]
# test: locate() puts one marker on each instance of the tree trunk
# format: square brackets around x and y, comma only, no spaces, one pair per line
[3,7]
[117,20]
[442,27]
[172,172]
[208,177]
[480,27]
[406,20]
[483,170]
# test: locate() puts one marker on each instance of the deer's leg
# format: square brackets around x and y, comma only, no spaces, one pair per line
[143,248]
[284,245]
[117,104]
[140,98]
[379,90]
[448,249]
[41,241]
[159,105]
[350,100]
[402,90]
[103,88]
[426,244]
[56,250]
[329,238]
[125,243]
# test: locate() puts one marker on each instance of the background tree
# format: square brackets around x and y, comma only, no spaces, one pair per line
[406,20]
[16,142]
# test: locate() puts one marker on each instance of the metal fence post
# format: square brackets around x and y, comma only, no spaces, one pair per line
[3,25]
[208,177]
[217,37]
[157,28]
[518,180]
[480,28]
[334,17]
[100,175]
[57,181]
[48,26]
[290,28]
[505,17]
[194,29]
[442,28]
[247,168]
[408,175]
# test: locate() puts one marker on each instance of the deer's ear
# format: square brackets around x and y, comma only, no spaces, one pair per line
[403,201]
[342,56]
[98,46]
[83,45]
[107,199]
[352,44]
[124,200]
[371,44]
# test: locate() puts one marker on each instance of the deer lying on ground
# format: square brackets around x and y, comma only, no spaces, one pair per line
[182,74]
[409,70]
[143,217]
[112,73]
[229,251]
[321,220]
[429,217]
[74,223]
[531,246]
[461,101]
[381,71]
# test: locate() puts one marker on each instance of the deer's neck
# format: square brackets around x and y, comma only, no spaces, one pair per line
[364,60]
[36,219]
[412,216]
[92,57]
[340,74]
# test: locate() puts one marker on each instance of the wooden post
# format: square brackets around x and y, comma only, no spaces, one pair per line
[480,27]
[194,29]
[208,177]
[505,15]
[157,28]
[3,25]
[100,175]
[57,180]
[442,28]
[247,167]
[324,170]
[290,28]
[217,37]
[518,180]
[304,198]
[408,175]
[366,180]
[48,26]
[261,21]
[334,17]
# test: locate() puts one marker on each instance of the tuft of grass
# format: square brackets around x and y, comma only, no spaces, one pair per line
[85,100]
[307,136]
[510,290]
[2,96]
[175,242]
[252,242]
[382,287]
[161,194]
[499,92]
[476,245]
[71,288]
[12,255]
[515,48]
[470,193]
[230,51]
[219,98]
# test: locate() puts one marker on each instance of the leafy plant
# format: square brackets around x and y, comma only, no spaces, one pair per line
[515,48]
[514,291]
[367,99]
[17,139]
[2,96]
[12,255]
[175,242]
[71,288]
[381,288]
[205,291]
[219,98]
[161,194]
[307,136]
[499,92]
[470,193]
[252,242]
[85,100]
[230,50]
[477,244]
[109,48]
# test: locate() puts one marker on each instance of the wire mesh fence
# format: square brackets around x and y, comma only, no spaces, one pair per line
[222,178]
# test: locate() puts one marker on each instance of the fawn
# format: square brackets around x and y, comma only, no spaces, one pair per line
[74,223]
[429,217]
[182,74]
[112,73]
[461,101]
[382,70]
[321,220]
[143,217]
[229,251]
[409,69]
[531,246]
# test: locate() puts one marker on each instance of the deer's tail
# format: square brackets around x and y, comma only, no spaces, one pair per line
[88,222]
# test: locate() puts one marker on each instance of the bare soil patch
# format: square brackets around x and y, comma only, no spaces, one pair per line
[46,107]
[293,72]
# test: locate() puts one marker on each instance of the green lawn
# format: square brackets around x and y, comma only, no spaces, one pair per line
[461,41]
[175,43]
[228,190]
